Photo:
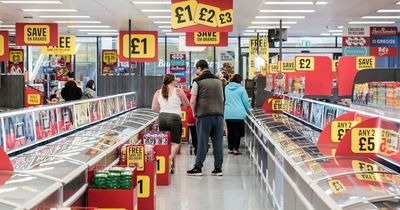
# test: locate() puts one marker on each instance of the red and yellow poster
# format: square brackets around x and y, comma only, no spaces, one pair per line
[109,59]
[219,39]
[15,65]
[66,46]
[202,15]
[36,34]
[4,46]
[143,46]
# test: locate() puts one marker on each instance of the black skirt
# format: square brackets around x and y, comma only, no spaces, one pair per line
[173,124]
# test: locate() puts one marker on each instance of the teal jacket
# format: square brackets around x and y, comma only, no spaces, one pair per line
[236,102]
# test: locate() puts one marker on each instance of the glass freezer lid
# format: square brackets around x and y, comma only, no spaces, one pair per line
[112,127]
[99,134]
[302,154]
[138,115]
[360,187]
[132,119]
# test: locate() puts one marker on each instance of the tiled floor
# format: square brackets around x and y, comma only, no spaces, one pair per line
[239,189]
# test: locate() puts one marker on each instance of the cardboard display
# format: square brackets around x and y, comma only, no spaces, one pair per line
[36,34]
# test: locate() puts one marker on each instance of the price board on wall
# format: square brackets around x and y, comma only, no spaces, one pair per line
[4,45]
[202,15]
[66,46]
[143,46]
[36,34]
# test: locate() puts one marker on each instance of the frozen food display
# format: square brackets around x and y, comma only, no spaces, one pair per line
[46,123]
[19,131]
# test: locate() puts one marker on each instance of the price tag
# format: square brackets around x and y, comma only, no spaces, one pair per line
[143,185]
[36,34]
[2,45]
[365,140]
[183,132]
[335,64]
[109,56]
[206,15]
[135,156]
[340,128]
[225,18]
[305,63]
[363,166]
[273,68]
[16,56]
[365,62]
[315,168]
[183,14]
[278,104]
[143,46]
[389,142]
[183,116]
[336,186]
[288,67]
[160,164]
[34,99]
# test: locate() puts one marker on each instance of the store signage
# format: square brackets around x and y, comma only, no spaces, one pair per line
[263,52]
[178,66]
[15,63]
[366,62]
[33,97]
[143,46]
[135,156]
[143,183]
[36,34]
[340,128]
[202,16]
[288,66]
[206,39]
[273,68]
[384,51]
[109,60]
[356,51]
[387,41]
[305,63]
[356,31]
[335,64]
[4,46]
[66,46]
[355,41]
[383,31]
[336,186]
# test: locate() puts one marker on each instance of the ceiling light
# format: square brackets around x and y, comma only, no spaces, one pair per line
[10,29]
[76,21]
[335,31]
[280,17]
[175,34]
[267,27]
[98,30]
[321,2]
[389,10]
[340,27]
[398,2]
[89,26]
[103,34]
[337,34]
[167,30]
[381,17]
[159,17]
[162,22]
[325,34]
[249,31]
[7,26]
[1,21]
[31,2]
[49,10]
[64,16]
[371,22]
[155,10]
[289,2]
[151,2]
[287,11]
[249,34]
[270,22]
[164,26]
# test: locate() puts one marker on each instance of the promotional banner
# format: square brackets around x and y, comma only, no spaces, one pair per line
[63,65]
[275,104]
[66,46]
[202,15]
[33,97]
[263,53]
[178,66]
[19,131]
[15,65]
[219,39]
[143,46]
[109,60]
[65,118]
[287,66]
[36,34]
[383,31]
[46,123]
[4,46]
[355,41]
[384,41]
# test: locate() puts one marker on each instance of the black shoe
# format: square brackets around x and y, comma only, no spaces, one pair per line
[195,172]
[217,172]
[172,170]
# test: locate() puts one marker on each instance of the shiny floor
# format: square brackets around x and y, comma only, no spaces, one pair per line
[239,189]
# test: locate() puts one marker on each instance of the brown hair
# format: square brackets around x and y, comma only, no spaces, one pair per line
[237,78]
[168,79]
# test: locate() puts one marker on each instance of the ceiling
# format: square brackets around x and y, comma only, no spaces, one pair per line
[115,14]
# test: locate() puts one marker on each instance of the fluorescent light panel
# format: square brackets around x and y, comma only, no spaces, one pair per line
[98,30]
[340,27]
[7,26]
[31,2]
[325,34]
[49,10]
[380,17]
[151,2]
[388,11]
[159,17]
[175,34]
[273,22]
[162,22]
[266,27]
[167,30]
[337,34]
[77,21]
[335,31]
[287,11]
[64,16]
[289,2]
[88,26]
[164,26]
[371,22]
[155,10]
[103,33]
[321,2]
[280,17]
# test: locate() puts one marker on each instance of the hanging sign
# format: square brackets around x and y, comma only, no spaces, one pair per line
[206,39]
[36,34]
[365,62]
[135,156]
[143,46]
[15,63]
[263,53]
[66,46]
[273,68]
[109,60]
[288,66]
[305,63]
[4,46]
[202,15]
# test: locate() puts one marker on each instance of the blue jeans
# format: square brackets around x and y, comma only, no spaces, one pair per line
[210,126]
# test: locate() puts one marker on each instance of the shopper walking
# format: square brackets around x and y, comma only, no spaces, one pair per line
[191,122]
[71,91]
[236,108]
[90,91]
[207,102]
[167,101]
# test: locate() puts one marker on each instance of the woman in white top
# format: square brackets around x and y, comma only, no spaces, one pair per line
[167,101]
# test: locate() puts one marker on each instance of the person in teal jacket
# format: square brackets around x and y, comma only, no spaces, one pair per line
[236,107]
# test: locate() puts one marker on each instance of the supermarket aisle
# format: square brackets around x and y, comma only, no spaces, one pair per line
[238,189]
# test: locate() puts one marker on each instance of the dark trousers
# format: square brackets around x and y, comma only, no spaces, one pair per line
[193,134]
[235,133]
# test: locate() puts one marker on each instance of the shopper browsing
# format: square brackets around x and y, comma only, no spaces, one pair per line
[236,108]
[167,101]
[90,91]
[207,102]
[71,91]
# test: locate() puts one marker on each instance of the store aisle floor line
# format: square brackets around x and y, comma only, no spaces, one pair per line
[239,189]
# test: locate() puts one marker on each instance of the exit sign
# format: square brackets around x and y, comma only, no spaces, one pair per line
[305,43]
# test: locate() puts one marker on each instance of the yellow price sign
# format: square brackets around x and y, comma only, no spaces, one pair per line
[143,185]
[365,62]
[365,140]
[335,64]
[183,116]
[336,186]
[182,14]
[372,177]
[37,34]
[34,99]
[2,45]
[340,128]
[305,63]
[66,46]
[225,18]
[278,104]
[273,68]
[143,46]
[203,38]
[135,155]
[183,132]
[160,164]
[206,15]
[288,67]
[363,166]
[109,56]
[16,56]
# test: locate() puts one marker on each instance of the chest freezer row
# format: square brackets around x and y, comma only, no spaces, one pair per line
[326,181]
[56,174]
